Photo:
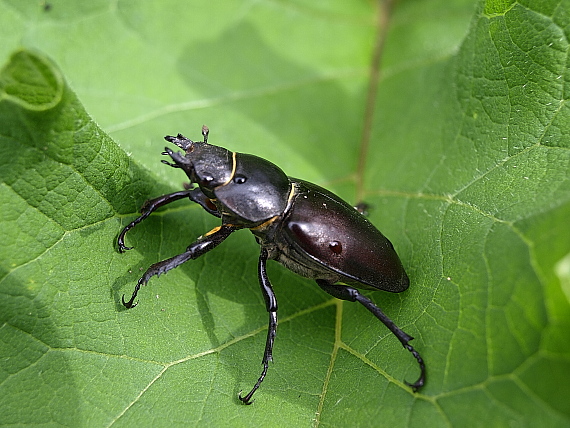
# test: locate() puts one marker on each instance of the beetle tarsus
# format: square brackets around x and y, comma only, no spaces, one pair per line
[350,294]
[247,399]
[243,399]
[121,238]
[130,304]
[421,380]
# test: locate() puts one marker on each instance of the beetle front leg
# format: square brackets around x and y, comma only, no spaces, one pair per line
[195,195]
[195,250]
[271,304]
[344,292]
[198,196]
[147,209]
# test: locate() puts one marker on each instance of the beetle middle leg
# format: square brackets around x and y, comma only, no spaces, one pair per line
[195,250]
[344,292]
[271,304]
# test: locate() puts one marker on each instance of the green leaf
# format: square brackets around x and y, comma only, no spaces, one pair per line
[466,169]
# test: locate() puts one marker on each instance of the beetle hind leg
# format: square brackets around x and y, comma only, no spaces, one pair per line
[271,304]
[350,294]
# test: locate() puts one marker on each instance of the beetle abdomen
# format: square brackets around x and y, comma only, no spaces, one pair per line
[333,234]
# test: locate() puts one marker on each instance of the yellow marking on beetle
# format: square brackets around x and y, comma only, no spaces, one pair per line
[214,230]
[291,194]
[234,226]
[265,223]
[234,167]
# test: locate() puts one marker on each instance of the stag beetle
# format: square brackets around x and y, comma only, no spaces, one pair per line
[306,228]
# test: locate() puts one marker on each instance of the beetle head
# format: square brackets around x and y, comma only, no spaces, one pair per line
[207,165]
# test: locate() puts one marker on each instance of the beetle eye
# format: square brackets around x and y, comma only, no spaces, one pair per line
[335,247]
[239,179]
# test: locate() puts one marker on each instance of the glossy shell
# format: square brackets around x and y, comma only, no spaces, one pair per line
[257,191]
[336,236]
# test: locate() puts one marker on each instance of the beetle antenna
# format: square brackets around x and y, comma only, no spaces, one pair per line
[205,132]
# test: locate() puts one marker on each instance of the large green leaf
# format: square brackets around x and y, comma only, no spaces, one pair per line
[466,169]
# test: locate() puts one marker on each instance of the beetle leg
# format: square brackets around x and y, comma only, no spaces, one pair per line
[271,304]
[195,250]
[198,196]
[147,209]
[344,292]
[195,195]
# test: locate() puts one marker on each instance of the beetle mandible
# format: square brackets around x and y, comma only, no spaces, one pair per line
[306,228]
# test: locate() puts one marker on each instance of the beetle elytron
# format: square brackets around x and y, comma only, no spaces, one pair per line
[304,227]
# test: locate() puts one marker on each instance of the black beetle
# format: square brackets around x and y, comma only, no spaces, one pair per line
[304,227]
